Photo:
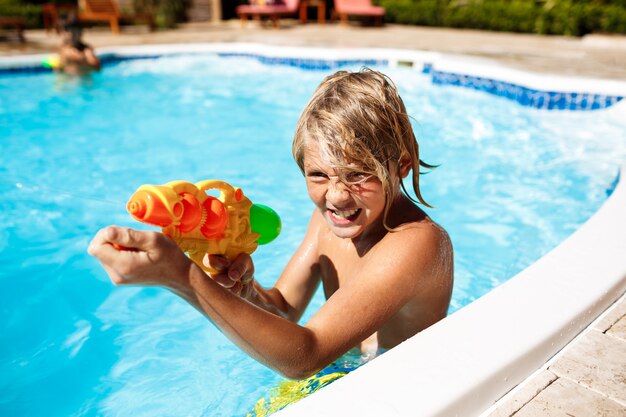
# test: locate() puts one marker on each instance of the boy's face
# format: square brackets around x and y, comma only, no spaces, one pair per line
[349,208]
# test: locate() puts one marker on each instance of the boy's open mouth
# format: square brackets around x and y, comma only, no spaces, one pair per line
[344,216]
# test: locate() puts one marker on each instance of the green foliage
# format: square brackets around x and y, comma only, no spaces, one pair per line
[511,16]
[17,8]
[563,17]
[167,12]
[614,19]
[424,12]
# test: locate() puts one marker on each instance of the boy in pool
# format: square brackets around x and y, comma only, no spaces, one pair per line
[385,266]
[75,56]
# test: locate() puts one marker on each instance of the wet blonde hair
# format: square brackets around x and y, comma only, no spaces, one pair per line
[359,121]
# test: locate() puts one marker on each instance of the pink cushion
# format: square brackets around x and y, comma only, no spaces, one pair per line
[269,9]
[282,7]
[362,10]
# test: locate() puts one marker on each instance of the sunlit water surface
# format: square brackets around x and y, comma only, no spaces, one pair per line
[512,183]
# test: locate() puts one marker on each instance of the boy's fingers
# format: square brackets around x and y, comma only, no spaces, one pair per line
[110,241]
[223,280]
[103,251]
[217,262]
[246,280]
[236,288]
[129,238]
[100,244]
[240,266]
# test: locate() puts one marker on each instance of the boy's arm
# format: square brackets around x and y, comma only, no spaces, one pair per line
[402,270]
[292,292]
[301,277]
[91,59]
[156,260]
[355,311]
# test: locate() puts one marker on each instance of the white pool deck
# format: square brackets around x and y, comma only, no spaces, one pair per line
[549,342]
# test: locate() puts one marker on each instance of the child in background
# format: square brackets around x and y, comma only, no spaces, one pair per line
[75,56]
[385,266]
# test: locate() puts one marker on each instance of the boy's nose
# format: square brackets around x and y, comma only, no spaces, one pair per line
[337,192]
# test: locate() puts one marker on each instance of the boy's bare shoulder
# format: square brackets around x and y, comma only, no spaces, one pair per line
[423,238]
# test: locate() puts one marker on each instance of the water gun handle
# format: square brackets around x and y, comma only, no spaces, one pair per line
[202,224]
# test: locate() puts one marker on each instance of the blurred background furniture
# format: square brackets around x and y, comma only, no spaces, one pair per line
[18,23]
[345,8]
[52,11]
[321,10]
[109,11]
[260,8]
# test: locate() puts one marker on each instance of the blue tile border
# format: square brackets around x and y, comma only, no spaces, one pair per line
[24,70]
[548,100]
[306,63]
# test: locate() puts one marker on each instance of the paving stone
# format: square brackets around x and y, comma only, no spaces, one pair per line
[564,398]
[596,361]
[525,394]
[617,311]
[619,329]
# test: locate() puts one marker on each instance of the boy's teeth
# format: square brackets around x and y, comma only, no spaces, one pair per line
[346,213]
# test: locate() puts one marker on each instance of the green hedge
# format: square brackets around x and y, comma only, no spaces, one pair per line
[167,12]
[559,17]
[30,12]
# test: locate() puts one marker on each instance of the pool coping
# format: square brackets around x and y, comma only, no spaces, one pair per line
[466,362]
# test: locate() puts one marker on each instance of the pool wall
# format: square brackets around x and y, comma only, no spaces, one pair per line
[466,362]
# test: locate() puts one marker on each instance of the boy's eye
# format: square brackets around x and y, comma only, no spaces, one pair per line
[355,177]
[316,175]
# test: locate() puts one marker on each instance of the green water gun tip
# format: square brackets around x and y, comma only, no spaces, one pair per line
[265,222]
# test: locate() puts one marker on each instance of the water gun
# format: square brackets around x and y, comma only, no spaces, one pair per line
[202,224]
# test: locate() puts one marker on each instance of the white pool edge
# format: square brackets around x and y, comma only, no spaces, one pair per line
[462,365]
[465,363]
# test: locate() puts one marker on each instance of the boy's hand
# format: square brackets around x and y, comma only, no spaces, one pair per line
[236,276]
[143,258]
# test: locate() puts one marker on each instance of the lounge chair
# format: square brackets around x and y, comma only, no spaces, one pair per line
[19,23]
[345,8]
[274,11]
[108,11]
[53,13]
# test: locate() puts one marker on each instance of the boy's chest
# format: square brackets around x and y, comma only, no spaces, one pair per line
[339,264]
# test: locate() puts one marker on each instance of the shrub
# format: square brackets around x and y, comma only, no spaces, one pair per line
[423,12]
[167,12]
[563,17]
[614,19]
[30,12]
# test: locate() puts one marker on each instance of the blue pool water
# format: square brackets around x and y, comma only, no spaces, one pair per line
[513,182]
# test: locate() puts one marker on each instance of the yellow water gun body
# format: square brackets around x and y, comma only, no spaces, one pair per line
[202,224]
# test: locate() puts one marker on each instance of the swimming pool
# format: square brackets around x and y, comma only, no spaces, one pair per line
[513,183]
